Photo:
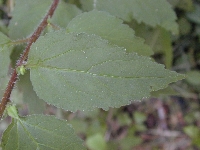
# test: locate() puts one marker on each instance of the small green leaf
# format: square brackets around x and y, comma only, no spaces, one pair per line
[96,142]
[111,29]
[193,77]
[151,12]
[12,111]
[184,25]
[194,16]
[186,5]
[40,132]
[130,141]
[139,117]
[82,72]
[26,17]
[167,47]
[21,70]
[192,131]
[124,119]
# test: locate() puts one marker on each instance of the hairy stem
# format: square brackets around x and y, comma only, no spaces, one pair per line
[24,57]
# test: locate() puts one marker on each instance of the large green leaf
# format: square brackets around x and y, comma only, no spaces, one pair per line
[151,12]
[109,28]
[64,13]
[40,132]
[26,17]
[81,71]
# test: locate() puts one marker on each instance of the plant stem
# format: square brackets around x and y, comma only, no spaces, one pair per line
[24,57]
[20,41]
[54,26]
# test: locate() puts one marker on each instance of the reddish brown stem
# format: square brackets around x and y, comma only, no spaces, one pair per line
[24,57]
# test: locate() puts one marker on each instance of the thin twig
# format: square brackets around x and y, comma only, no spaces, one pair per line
[24,57]
[16,42]
[54,26]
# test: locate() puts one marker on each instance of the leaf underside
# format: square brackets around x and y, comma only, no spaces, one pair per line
[82,72]
[38,132]
[151,12]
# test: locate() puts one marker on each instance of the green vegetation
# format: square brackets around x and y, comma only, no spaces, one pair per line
[123,73]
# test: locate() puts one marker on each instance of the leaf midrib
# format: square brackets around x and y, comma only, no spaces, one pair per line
[100,75]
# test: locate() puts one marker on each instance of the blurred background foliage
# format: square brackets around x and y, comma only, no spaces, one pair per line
[169,122]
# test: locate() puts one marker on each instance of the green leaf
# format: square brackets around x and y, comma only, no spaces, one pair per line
[139,117]
[158,39]
[3,27]
[151,12]
[167,48]
[193,77]
[184,26]
[194,16]
[12,111]
[3,39]
[21,70]
[4,62]
[3,84]
[130,141]
[165,92]
[82,71]
[76,125]
[64,14]
[26,17]
[186,5]
[174,3]
[111,29]
[192,131]
[96,142]
[40,132]
[35,104]
[124,119]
